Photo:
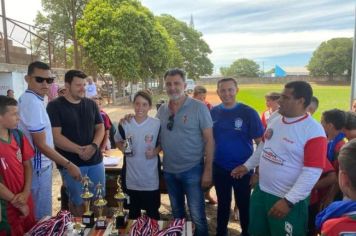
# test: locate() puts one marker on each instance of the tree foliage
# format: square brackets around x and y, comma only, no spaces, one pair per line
[241,68]
[60,19]
[332,58]
[193,50]
[123,38]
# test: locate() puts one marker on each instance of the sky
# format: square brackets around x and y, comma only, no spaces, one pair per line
[270,32]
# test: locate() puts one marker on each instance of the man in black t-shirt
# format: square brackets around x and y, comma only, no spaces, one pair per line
[78,131]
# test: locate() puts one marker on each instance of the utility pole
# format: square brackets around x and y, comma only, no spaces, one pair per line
[353,72]
[6,45]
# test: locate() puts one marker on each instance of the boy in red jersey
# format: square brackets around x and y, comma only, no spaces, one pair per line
[15,173]
[339,218]
[272,106]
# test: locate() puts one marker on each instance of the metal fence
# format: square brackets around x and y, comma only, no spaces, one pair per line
[27,43]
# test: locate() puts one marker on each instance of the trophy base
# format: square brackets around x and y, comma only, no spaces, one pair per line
[114,232]
[121,221]
[88,219]
[101,223]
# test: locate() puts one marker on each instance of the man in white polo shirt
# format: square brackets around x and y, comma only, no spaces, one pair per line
[35,124]
[291,162]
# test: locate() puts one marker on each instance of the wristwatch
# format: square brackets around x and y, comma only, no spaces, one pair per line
[290,204]
[94,145]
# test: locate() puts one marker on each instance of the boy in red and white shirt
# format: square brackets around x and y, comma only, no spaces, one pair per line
[272,106]
[15,171]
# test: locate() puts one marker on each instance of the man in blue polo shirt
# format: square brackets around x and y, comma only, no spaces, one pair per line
[235,127]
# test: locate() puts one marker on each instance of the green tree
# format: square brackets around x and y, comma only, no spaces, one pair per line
[191,45]
[60,19]
[124,39]
[241,68]
[332,58]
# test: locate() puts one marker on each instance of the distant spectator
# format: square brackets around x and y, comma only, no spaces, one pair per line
[90,88]
[350,125]
[10,93]
[105,144]
[353,107]
[200,94]
[313,106]
[272,106]
[53,91]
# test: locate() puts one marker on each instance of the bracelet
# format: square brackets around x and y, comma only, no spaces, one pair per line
[290,204]
[94,145]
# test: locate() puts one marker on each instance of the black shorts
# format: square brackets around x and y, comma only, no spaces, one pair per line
[150,201]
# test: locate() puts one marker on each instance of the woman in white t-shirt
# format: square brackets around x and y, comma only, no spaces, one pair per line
[141,170]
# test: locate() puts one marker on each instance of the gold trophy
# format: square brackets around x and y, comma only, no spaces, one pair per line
[88,216]
[120,215]
[100,204]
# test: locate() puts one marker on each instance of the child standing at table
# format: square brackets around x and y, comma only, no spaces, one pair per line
[141,170]
[16,206]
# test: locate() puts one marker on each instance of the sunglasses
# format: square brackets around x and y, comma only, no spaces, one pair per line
[170,122]
[40,79]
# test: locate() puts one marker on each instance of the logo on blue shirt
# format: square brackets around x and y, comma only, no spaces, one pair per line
[238,123]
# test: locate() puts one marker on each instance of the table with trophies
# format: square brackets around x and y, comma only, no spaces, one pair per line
[98,224]
[106,215]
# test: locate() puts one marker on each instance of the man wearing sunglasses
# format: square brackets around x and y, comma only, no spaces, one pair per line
[35,123]
[188,147]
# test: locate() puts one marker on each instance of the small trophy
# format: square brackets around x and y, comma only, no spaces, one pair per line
[128,151]
[100,203]
[88,216]
[120,215]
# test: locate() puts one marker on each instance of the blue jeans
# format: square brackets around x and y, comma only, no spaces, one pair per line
[96,174]
[41,191]
[188,183]
[224,183]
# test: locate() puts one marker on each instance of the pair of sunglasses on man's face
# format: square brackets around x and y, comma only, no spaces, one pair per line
[40,79]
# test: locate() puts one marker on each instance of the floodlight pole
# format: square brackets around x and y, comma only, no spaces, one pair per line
[6,45]
[353,72]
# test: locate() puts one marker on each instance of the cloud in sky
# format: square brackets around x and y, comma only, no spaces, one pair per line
[271,30]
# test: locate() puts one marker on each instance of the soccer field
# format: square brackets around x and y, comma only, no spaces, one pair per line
[330,96]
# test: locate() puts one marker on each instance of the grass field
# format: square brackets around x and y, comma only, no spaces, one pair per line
[330,96]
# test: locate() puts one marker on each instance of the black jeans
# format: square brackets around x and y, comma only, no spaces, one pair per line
[150,201]
[224,184]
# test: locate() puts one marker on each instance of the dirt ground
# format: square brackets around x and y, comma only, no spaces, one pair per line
[117,112]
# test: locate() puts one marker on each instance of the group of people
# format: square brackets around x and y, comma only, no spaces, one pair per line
[68,132]
[288,157]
